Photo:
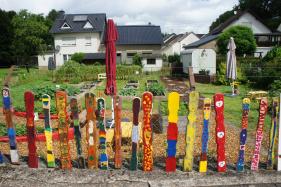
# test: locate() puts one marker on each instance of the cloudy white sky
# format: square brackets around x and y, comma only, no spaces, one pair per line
[172,15]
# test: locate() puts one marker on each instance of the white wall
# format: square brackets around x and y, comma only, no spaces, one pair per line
[80,46]
[279,28]
[148,67]
[250,21]
[262,50]
[43,60]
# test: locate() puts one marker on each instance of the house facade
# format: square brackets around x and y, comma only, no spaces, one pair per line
[85,33]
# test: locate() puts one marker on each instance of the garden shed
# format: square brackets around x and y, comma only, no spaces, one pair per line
[202,61]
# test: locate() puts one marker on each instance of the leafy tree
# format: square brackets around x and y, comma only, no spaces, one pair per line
[222,18]
[30,31]
[243,37]
[50,18]
[6,37]
[78,57]
[137,60]
[174,58]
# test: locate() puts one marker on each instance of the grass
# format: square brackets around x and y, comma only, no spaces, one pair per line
[233,105]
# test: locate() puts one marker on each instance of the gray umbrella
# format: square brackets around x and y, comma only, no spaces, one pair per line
[231,70]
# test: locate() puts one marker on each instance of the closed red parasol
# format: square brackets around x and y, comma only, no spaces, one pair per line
[110,58]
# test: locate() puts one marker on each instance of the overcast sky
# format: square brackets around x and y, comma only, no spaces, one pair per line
[172,15]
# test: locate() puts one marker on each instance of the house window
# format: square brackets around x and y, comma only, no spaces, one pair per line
[66,57]
[65,26]
[88,41]
[68,41]
[151,61]
[147,53]
[130,55]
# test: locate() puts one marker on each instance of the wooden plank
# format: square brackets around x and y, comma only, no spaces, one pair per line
[77,134]
[220,132]
[205,136]
[190,131]
[135,134]
[46,102]
[92,134]
[147,131]
[10,126]
[279,138]
[172,131]
[243,134]
[103,158]
[191,78]
[9,76]
[29,108]
[61,103]
[271,160]
[118,133]
[259,134]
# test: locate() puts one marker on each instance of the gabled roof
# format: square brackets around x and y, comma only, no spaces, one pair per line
[233,18]
[77,22]
[202,41]
[177,38]
[139,35]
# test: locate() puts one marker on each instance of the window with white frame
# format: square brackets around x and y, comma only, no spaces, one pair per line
[88,41]
[68,41]
[151,61]
[66,57]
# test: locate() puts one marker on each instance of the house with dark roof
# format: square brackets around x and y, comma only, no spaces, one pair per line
[85,33]
[173,43]
[265,38]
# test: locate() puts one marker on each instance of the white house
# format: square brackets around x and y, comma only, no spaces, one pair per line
[173,44]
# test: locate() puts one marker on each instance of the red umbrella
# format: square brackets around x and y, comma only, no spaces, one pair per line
[110,58]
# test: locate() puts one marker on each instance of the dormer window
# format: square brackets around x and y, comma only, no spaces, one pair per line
[88,25]
[65,26]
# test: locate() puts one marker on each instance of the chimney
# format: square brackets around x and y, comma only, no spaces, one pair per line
[61,14]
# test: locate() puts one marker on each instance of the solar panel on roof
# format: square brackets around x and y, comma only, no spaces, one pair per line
[80,18]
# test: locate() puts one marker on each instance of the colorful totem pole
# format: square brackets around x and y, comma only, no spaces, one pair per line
[31,135]
[118,133]
[172,131]
[279,138]
[103,159]
[61,102]
[147,131]
[259,134]
[205,136]
[10,126]
[75,121]
[243,134]
[46,101]
[220,132]
[190,131]
[135,134]
[273,135]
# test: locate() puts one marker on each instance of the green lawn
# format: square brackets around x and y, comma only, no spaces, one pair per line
[233,105]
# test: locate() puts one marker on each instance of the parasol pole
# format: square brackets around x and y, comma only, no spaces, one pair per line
[112,110]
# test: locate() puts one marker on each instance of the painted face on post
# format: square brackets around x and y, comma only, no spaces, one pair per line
[5,93]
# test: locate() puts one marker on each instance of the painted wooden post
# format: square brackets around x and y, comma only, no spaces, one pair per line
[10,126]
[118,133]
[272,135]
[103,158]
[190,131]
[172,131]
[147,131]
[135,134]
[205,136]
[77,133]
[279,138]
[243,135]
[31,134]
[220,132]
[259,134]
[46,102]
[61,103]
[92,133]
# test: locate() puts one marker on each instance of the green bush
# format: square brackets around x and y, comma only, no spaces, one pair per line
[164,109]
[20,129]
[243,37]
[78,57]
[156,89]
[128,92]
[275,88]
[70,71]
[137,60]
[174,58]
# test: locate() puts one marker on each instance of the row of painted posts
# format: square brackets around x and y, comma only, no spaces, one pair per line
[96,132]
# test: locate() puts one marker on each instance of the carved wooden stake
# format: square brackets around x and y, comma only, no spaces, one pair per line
[205,136]
[92,130]
[118,133]
[273,135]
[147,131]
[77,133]
[220,132]
[46,101]
[172,131]
[31,135]
[103,159]
[10,126]
[135,134]
[279,138]
[61,102]
[190,131]
[259,135]
[243,134]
